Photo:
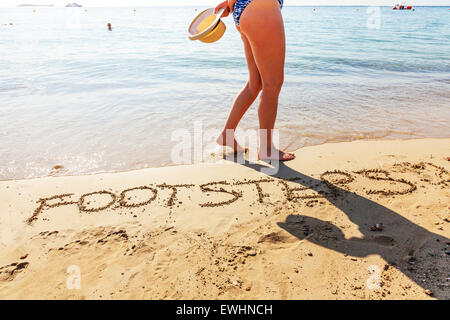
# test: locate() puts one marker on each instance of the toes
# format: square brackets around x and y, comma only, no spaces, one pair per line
[282,156]
[288,156]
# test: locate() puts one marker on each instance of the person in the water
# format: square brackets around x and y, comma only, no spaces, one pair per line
[262,30]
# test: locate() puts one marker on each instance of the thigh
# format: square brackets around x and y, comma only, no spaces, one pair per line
[262,25]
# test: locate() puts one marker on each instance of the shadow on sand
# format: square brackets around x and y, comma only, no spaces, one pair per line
[402,244]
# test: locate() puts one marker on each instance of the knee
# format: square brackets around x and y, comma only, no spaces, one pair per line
[273,85]
[254,86]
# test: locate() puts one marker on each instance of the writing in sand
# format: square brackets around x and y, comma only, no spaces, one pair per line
[291,189]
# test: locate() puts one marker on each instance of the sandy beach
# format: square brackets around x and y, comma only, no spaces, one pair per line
[356,220]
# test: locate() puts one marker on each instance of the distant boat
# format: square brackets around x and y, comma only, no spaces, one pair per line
[402,7]
[72,5]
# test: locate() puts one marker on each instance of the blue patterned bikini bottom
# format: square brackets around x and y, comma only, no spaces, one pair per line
[240,6]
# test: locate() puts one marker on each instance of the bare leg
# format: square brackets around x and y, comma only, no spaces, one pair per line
[242,102]
[262,24]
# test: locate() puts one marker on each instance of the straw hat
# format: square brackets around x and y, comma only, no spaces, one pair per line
[207,26]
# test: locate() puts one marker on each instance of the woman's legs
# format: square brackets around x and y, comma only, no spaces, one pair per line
[243,101]
[262,24]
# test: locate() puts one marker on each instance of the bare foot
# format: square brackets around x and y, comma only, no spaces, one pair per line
[277,155]
[232,143]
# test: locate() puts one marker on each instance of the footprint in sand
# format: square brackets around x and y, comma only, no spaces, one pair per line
[384,240]
[276,238]
[9,272]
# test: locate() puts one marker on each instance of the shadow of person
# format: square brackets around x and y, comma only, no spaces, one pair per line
[402,243]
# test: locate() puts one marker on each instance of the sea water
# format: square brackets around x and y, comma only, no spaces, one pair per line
[74,94]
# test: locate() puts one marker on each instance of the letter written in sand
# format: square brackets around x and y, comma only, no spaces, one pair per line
[206,188]
[173,196]
[126,203]
[383,175]
[45,203]
[83,203]
[257,183]
[290,191]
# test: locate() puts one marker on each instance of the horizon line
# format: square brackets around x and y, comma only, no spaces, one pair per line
[190,6]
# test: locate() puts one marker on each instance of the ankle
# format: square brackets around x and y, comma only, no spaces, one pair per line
[267,151]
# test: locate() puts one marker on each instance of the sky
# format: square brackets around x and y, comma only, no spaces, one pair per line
[211,3]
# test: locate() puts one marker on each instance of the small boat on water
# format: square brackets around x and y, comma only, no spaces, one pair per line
[402,7]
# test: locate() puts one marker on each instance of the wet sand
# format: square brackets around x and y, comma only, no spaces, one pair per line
[357,220]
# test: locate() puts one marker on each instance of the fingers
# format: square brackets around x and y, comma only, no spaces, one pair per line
[226,9]
[226,13]
[223,5]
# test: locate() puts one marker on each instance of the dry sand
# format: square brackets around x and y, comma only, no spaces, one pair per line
[304,234]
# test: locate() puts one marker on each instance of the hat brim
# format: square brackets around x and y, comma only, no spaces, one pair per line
[192,31]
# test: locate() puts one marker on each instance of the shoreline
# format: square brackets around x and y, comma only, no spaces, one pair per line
[228,231]
[216,161]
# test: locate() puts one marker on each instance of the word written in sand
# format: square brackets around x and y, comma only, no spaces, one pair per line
[330,185]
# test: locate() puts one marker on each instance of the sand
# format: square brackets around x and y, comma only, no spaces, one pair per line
[228,231]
